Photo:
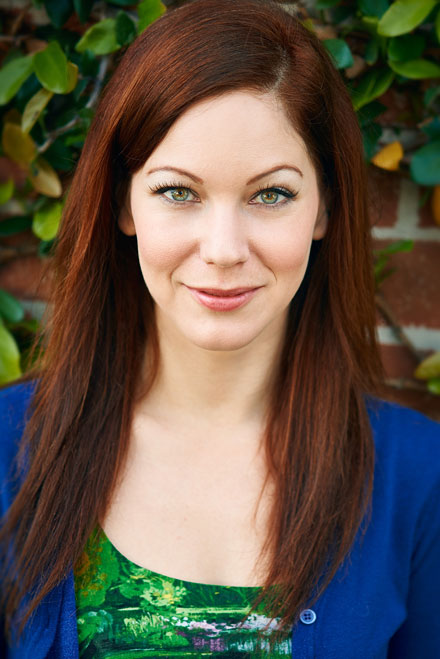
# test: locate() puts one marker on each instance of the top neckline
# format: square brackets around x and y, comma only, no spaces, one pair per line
[250,589]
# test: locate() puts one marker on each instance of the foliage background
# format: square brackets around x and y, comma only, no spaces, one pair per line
[56,55]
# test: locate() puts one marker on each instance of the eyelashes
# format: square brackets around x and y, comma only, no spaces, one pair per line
[279,190]
[285,193]
[161,188]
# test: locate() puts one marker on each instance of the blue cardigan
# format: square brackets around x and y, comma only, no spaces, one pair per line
[383,602]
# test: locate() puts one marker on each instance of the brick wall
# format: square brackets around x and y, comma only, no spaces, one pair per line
[412,293]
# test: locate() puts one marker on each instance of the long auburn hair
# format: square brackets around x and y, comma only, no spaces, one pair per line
[318,442]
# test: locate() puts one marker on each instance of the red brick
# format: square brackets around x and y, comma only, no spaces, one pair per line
[384,190]
[25,278]
[412,291]
[398,361]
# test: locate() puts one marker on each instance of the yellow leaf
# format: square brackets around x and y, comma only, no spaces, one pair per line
[389,157]
[34,107]
[72,77]
[435,204]
[429,367]
[19,146]
[45,179]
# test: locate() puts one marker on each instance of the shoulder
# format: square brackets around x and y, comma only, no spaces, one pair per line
[407,470]
[404,533]
[391,417]
[405,438]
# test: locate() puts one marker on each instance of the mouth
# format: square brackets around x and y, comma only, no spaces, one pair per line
[222,292]
[223,299]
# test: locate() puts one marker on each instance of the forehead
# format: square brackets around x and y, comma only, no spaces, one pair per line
[235,131]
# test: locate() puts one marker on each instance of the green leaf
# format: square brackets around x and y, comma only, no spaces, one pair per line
[407,47]
[6,190]
[100,39]
[373,85]
[58,11]
[370,24]
[340,52]
[434,386]
[373,7]
[148,11]
[72,77]
[425,164]
[13,75]
[437,25]
[83,8]
[403,16]
[47,220]
[125,29]
[416,69]
[432,128]
[369,112]
[9,356]
[34,107]
[50,67]
[371,134]
[326,4]
[59,156]
[12,225]
[19,146]
[89,64]
[45,248]
[10,308]
[395,248]
[75,139]
[429,367]
[372,51]
[430,95]
[381,259]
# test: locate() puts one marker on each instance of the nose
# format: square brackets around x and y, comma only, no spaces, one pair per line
[224,241]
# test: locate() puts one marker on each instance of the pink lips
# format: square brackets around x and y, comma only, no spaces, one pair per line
[223,300]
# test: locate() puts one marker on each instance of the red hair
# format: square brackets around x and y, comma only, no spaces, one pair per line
[319,447]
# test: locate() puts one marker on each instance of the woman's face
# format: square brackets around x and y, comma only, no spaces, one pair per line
[225,210]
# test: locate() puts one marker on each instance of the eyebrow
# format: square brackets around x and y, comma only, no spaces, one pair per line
[272,170]
[197,179]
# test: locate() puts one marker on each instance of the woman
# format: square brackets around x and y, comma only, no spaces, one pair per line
[201,436]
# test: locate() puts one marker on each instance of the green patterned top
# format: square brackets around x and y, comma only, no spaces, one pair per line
[126,611]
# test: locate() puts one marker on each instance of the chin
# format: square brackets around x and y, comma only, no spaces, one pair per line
[221,340]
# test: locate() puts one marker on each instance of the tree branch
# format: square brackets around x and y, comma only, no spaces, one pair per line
[400,334]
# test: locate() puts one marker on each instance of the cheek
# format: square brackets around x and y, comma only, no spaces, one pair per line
[160,251]
[287,250]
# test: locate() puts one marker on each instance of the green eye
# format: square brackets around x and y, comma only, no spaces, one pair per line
[174,193]
[179,194]
[273,196]
[269,196]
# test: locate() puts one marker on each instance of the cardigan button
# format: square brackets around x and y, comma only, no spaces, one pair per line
[308,616]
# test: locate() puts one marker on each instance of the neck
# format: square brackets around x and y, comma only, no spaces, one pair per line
[224,388]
